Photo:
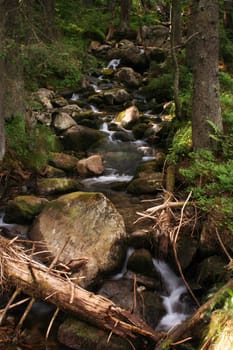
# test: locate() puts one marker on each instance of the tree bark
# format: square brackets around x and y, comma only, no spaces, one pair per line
[206,91]
[125,15]
[41,282]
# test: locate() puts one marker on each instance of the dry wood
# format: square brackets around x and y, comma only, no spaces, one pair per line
[35,279]
[185,329]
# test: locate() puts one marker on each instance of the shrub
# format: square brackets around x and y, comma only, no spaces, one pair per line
[30,146]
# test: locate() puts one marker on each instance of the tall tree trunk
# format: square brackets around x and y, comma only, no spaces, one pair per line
[206,90]
[2,135]
[125,15]
[176,37]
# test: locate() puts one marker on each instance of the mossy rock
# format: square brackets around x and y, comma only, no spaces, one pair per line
[50,186]
[80,335]
[139,130]
[23,209]
[63,161]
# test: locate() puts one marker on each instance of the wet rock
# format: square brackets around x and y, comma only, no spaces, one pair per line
[63,161]
[140,261]
[146,304]
[92,165]
[81,138]
[115,96]
[89,118]
[80,335]
[49,186]
[85,224]
[23,209]
[51,171]
[186,249]
[211,271]
[130,55]
[146,183]
[129,77]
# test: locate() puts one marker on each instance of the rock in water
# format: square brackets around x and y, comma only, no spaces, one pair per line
[83,225]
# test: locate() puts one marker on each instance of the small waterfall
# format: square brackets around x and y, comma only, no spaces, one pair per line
[75,97]
[114,63]
[124,268]
[104,128]
[177,309]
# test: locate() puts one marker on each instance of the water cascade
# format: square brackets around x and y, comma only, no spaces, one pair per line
[175,301]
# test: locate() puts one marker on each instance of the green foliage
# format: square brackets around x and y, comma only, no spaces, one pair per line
[211,181]
[160,88]
[181,143]
[51,65]
[228,303]
[29,146]
[75,20]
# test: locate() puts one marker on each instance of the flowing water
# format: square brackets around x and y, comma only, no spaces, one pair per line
[174,299]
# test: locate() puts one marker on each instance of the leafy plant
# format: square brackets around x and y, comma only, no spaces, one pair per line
[30,146]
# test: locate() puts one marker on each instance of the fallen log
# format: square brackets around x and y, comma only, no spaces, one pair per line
[19,269]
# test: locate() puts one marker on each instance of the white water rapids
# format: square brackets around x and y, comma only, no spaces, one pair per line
[177,309]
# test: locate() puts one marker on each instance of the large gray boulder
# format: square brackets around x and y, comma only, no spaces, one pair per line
[83,225]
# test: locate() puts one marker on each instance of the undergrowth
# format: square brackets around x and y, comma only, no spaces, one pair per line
[29,146]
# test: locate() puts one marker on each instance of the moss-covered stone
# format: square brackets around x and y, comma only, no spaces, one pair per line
[80,335]
[23,209]
[48,186]
[83,224]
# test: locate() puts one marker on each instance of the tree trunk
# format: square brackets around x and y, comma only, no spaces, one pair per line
[2,134]
[176,38]
[125,15]
[38,281]
[206,91]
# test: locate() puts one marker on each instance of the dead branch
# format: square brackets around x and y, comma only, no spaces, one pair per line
[36,280]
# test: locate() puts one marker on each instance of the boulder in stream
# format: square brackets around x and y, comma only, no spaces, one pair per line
[83,225]
[23,209]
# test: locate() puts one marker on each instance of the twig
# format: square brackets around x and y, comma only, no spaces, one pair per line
[222,245]
[55,260]
[14,295]
[26,312]
[50,326]
[174,240]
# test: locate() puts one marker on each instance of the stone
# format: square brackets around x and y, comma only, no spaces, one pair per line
[63,161]
[79,335]
[81,138]
[23,209]
[92,165]
[83,225]
[63,121]
[127,117]
[50,186]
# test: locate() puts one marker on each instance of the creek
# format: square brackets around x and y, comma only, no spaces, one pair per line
[121,155]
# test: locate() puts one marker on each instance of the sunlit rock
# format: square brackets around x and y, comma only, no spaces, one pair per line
[92,165]
[83,225]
